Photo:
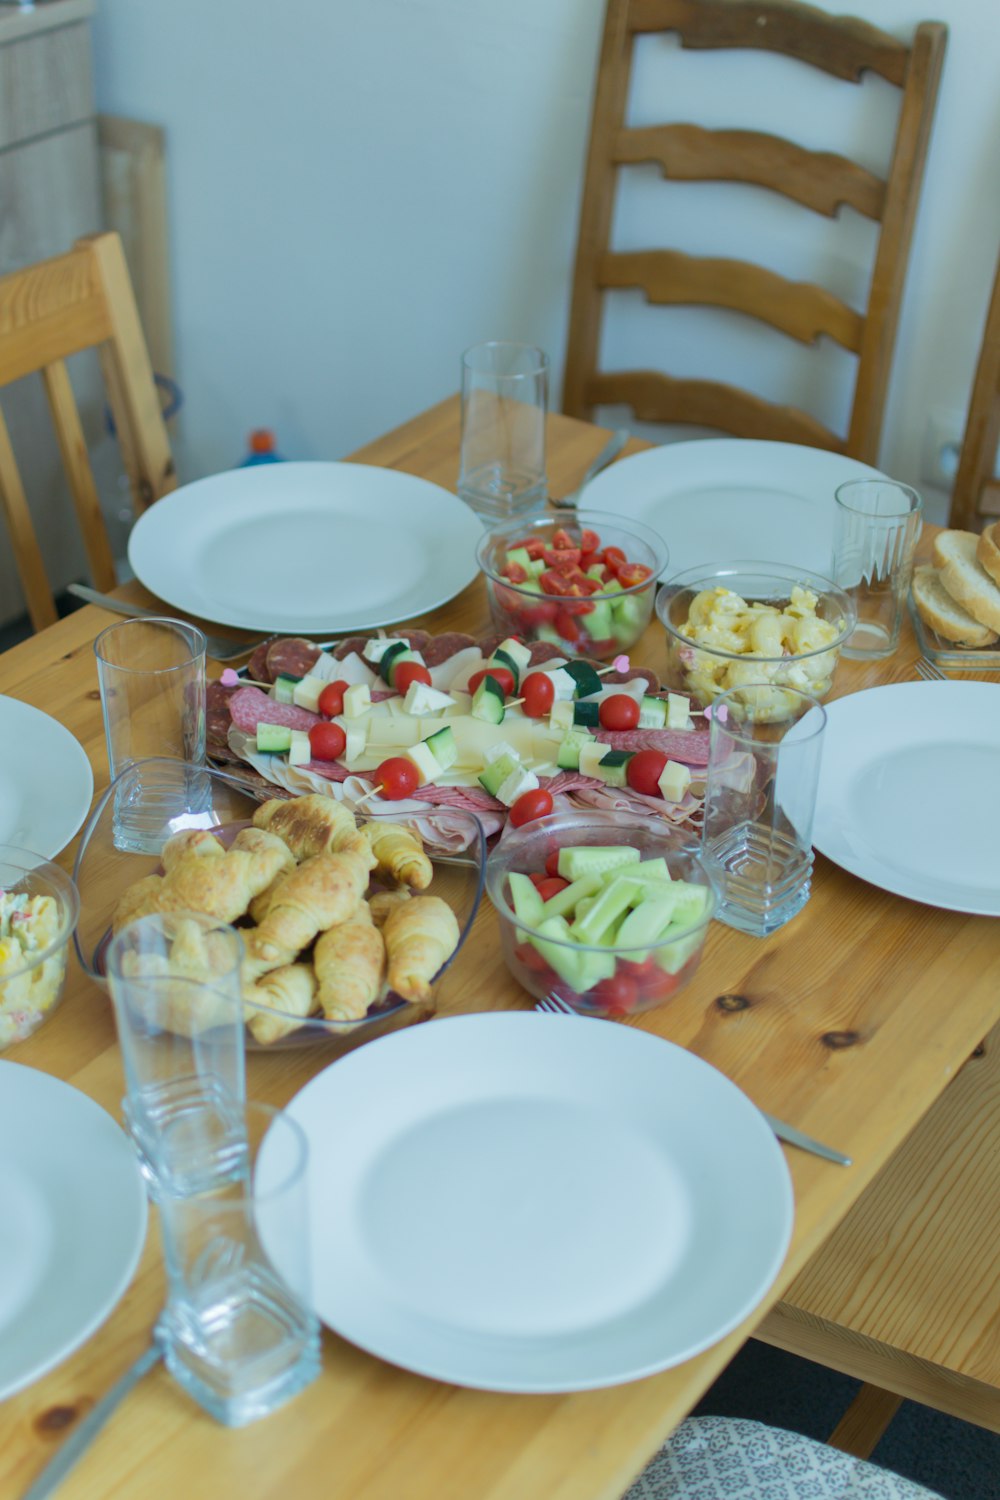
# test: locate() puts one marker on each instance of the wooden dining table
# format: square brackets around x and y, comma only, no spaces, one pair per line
[848,1022]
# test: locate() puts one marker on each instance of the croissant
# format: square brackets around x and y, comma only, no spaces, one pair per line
[291,989]
[420,935]
[132,897]
[319,893]
[311,825]
[350,966]
[383,903]
[189,842]
[399,854]
[220,887]
[185,983]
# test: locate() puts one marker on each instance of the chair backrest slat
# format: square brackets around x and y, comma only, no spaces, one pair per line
[709,403]
[976,491]
[73,447]
[23,541]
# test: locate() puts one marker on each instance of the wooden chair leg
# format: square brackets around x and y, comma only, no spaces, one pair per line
[864,1421]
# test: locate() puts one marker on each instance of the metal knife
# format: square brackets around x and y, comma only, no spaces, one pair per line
[793,1137]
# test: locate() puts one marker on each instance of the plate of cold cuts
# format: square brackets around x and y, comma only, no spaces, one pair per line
[311,547]
[722,498]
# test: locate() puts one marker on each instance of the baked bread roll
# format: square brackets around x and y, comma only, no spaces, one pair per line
[939,610]
[988,551]
[420,936]
[966,580]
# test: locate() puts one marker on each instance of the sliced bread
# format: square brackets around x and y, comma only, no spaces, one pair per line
[966,580]
[938,609]
[988,551]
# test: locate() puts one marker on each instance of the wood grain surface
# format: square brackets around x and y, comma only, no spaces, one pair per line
[849,1022]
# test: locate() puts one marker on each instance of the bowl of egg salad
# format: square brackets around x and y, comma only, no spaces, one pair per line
[753,622]
[39,907]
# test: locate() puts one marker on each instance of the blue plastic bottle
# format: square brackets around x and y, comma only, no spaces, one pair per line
[261,449]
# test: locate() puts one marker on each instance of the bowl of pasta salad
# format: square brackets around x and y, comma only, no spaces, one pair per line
[39,907]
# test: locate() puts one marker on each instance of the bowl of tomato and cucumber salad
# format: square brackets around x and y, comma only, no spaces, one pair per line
[585,581]
[606,911]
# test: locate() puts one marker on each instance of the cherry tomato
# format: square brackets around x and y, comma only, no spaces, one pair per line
[553,582]
[541,613]
[515,572]
[552,865]
[617,995]
[407,672]
[503,675]
[531,805]
[331,699]
[588,559]
[539,694]
[327,741]
[567,626]
[397,777]
[538,878]
[629,574]
[561,539]
[562,558]
[618,712]
[644,770]
[533,545]
[614,558]
[551,886]
[589,541]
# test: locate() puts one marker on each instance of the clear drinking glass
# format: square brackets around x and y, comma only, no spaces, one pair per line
[876,531]
[237,1329]
[765,747]
[504,398]
[151,673]
[175,983]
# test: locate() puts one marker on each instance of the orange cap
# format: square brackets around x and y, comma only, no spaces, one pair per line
[262,440]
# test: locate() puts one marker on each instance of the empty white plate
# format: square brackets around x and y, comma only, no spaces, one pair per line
[908,795]
[523,1202]
[45,780]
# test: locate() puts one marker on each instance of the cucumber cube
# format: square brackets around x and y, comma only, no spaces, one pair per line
[272,738]
[283,688]
[652,713]
[519,654]
[442,743]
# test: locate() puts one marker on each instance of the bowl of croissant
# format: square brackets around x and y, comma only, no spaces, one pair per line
[349,921]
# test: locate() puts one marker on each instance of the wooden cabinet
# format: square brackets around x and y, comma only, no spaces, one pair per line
[50,193]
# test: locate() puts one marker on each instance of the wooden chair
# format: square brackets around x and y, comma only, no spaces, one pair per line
[48,311]
[841,46]
[976,491]
[905,1295]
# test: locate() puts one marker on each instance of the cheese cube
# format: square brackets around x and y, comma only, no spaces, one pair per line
[494,752]
[421,699]
[356,734]
[590,758]
[678,712]
[425,760]
[357,700]
[520,780]
[376,648]
[300,751]
[563,682]
[674,781]
[306,693]
[561,714]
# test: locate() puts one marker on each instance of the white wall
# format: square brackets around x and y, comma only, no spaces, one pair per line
[361,188]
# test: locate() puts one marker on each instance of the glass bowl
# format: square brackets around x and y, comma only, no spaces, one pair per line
[733,646]
[604,615]
[170,795]
[607,977]
[39,906]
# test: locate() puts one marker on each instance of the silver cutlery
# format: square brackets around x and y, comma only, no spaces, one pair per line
[608,453]
[220,647]
[929,671]
[554,1005]
[59,1465]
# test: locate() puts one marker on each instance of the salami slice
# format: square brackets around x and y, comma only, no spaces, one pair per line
[543,651]
[257,665]
[355,643]
[475,798]
[217,715]
[292,655]
[650,678]
[687,745]
[440,647]
[249,707]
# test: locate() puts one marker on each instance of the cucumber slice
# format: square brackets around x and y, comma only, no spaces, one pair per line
[587,714]
[493,776]
[273,738]
[524,898]
[673,956]
[283,687]
[399,658]
[564,960]
[652,869]
[585,676]
[520,557]
[500,658]
[610,904]
[565,901]
[442,743]
[652,713]
[613,766]
[568,754]
[517,652]
[595,859]
[599,620]
[645,924]
[690,902]
[392,652]
[487,701]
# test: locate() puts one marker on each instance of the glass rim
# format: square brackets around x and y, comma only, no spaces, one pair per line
[118,945]
[196,640]
[740,733]
[495,345]
[856,485]
[296,1170]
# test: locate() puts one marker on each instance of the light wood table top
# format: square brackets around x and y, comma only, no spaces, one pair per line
[849,1022]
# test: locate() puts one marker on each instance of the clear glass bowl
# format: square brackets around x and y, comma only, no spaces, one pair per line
[32,978]
[949,656]
[638,978]
[704,668]
[168,795]
[598,625]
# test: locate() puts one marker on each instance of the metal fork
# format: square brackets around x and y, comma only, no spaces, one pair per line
[555,1005]
[220,647]
[929,670]
[608,453]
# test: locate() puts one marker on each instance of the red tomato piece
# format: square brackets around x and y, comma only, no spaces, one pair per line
[561,539]
[630,574]
[396,778]
[553,582]
[537,878]
[563,559]
[644,770]
[531,959]
[515,573]
[551,886]
[588,559]
[531,805]
[331,699]
[589,541]
[656,984]
[614,557]
[552,865]
[618,712]
[407,672]
[503,675]
[617,995]
[327,741]
[533,545]
[539,693]
[604,647]
[542,613]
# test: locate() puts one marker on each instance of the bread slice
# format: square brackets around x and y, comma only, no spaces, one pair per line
[988,551]
[938,609]
[966,580]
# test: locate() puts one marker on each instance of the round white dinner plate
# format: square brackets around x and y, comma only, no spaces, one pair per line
[46,783]
[72,1221]
[908,792]
[523,1202]
[724,498]
[316,547]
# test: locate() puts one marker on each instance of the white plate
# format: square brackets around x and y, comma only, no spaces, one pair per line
[314,547]
[908,792]
[46,783]
[725,498]
[522,1202]
[72,1221]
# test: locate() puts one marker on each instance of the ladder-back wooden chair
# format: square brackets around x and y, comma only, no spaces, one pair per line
[976,492]
[49,311]
[820,181]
